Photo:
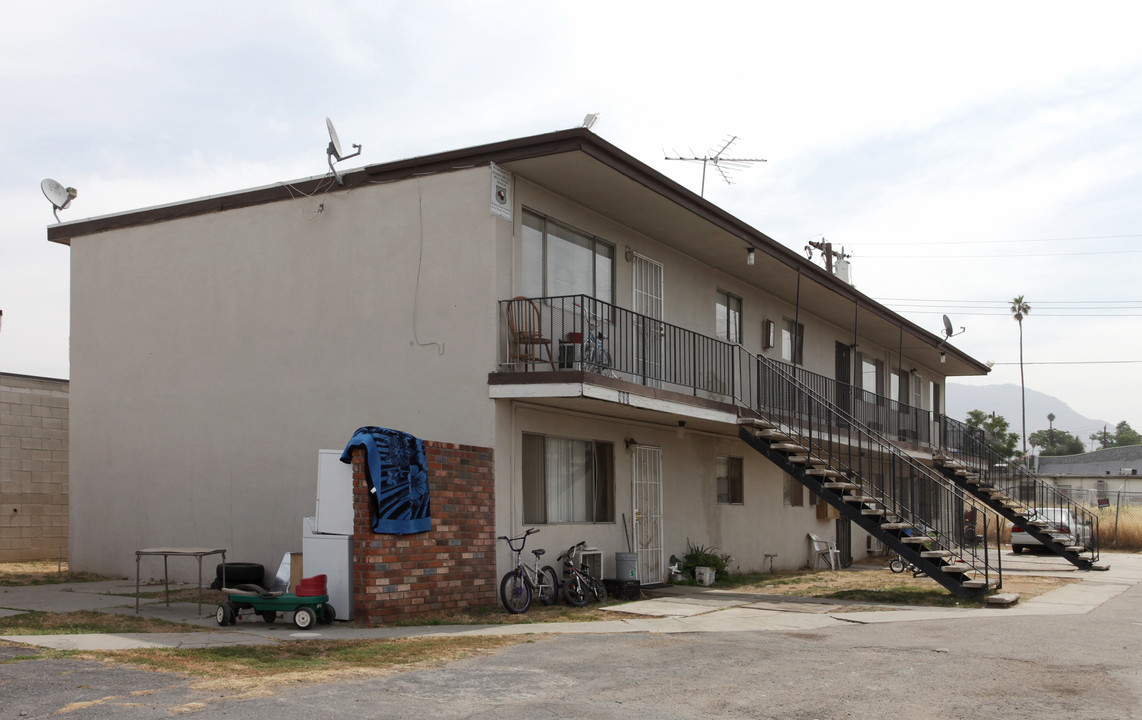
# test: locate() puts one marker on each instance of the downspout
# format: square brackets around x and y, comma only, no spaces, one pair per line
[796,321]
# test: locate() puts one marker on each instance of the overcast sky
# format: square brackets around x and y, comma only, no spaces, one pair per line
[962,153]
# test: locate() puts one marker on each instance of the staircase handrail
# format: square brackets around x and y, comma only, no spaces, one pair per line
[968,445]
[867,440]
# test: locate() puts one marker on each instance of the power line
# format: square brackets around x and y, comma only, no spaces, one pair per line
[1000,255]
[997,242]
[1074,362]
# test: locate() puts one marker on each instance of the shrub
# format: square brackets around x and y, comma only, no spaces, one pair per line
[705,556]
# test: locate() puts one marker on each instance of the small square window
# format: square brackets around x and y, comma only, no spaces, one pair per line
[730,485]
[794,492]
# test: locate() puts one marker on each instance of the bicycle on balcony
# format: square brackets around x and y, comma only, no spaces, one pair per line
[596,358]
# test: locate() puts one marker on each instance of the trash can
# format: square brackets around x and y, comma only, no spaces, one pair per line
[626,565]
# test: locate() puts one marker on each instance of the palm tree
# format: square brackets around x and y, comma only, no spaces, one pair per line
[1019,308]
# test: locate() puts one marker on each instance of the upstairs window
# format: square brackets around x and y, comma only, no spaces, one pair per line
[792,342]
[728,317]
[558,260]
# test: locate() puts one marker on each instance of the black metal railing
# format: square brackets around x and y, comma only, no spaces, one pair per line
[578,332]
[969,446]
[842,426]
[907,489]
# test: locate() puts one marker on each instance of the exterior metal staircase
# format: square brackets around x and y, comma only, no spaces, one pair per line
[944,531]
[1017,494]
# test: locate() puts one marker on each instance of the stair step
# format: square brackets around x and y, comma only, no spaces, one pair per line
[915,540]
[798,459]
[872,511]
[1075,548]
[980,583]
[859,499]
[773,434]
[824,472]
[840,485]
[896,526]
[789,447]
[756,423]
[956,568]
[935,553]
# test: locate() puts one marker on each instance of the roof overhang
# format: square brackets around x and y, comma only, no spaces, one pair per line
[587,170]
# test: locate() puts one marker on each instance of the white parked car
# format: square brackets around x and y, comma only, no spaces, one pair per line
[1056,520]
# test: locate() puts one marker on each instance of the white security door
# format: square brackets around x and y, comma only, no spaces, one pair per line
[648,514]
[650,330]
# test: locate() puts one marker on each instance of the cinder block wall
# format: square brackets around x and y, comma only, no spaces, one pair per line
[33,468]
[450,567]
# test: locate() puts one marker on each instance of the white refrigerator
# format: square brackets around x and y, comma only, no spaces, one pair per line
[327,537]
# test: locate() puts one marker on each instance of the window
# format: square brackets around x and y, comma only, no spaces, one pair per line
[794,492]
[792,342]
[728,317]
[871,375]
[567,481]
[730,490]
[558,260]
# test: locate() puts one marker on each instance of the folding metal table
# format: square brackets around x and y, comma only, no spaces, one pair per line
[166,552]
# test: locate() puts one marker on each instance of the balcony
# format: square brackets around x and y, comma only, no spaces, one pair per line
[576,338]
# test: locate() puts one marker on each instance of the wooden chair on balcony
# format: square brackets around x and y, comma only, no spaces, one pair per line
[528,345]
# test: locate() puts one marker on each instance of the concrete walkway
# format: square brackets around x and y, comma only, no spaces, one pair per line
[677,609]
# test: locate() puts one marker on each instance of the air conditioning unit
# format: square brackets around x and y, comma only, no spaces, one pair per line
[1128,471]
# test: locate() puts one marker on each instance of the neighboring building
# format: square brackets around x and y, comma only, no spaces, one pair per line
[1095,474]
[33,468]
[218,343]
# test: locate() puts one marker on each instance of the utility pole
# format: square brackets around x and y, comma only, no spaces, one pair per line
[827,251]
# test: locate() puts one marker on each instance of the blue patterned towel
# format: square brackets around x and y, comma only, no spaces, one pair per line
[397,472]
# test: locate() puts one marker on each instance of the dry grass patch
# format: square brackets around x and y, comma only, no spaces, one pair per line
[86,621]
[43,572]
[253,668]
[878,585]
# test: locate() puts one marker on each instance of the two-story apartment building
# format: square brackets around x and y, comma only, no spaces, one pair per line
[551,303]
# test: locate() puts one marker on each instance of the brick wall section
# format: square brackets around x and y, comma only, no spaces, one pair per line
[450,567]
[33,468]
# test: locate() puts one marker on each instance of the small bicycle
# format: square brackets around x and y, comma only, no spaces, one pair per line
[596,357]
[580,586]
[518,584]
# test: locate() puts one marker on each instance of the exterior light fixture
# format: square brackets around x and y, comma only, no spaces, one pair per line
[630,442]
[681,429]
[749,256]
[943,356]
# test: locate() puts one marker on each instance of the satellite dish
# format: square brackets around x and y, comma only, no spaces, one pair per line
[949,332]
[334,151]
[590,120]
[59,196]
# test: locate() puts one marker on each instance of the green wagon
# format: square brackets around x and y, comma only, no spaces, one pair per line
[306,609]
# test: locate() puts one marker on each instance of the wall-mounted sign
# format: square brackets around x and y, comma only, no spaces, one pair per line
[501,192]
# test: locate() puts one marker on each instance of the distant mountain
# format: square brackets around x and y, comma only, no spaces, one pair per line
[1004,400]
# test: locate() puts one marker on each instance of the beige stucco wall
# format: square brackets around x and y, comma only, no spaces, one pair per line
[214,355]
[762,524]
[33,468]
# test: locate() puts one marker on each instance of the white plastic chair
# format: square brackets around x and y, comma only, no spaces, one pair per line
[826,549]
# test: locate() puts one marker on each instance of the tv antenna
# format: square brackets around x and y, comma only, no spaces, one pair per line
[725,166]
[59,196]
[334,151]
